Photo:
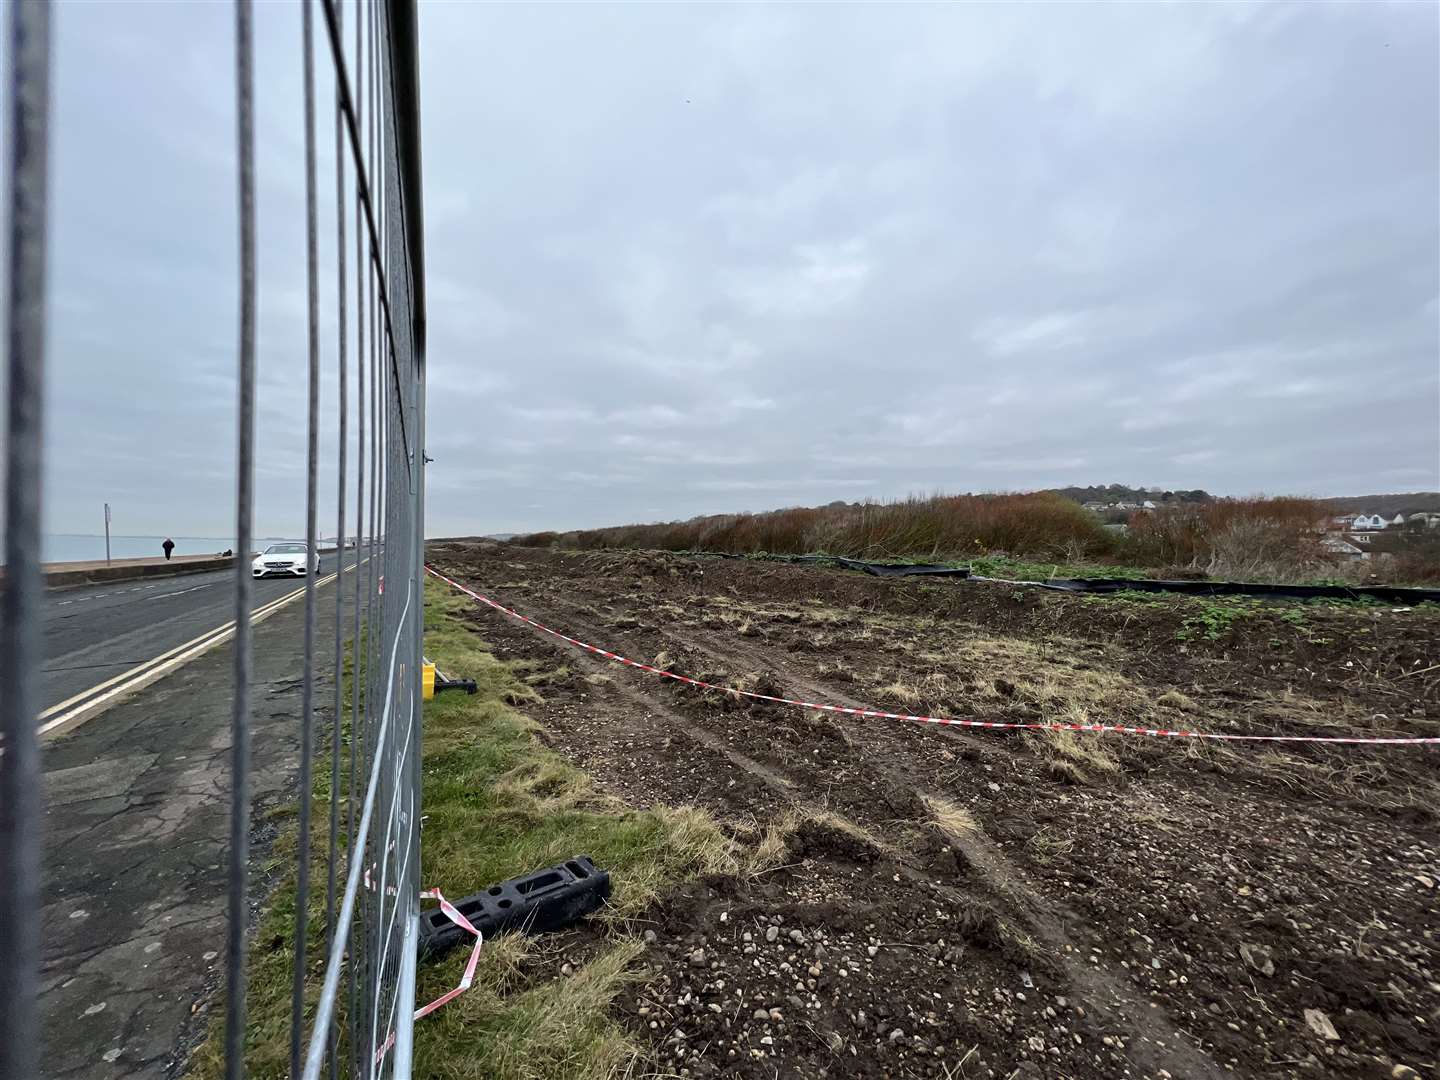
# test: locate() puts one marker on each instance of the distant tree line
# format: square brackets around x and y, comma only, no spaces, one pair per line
[1113,493]
[1388,505]
[1258,539]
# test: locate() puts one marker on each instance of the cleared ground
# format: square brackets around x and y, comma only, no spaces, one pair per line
[952,903]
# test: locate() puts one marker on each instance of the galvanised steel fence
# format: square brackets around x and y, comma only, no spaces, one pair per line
[361,1025]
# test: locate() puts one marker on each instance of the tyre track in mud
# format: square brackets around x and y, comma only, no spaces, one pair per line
[652,709]
[1156,1042]
[1048,918]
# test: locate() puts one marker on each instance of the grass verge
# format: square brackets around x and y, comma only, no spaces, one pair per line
[497,803]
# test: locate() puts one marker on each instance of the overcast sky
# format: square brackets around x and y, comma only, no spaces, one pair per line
[707,258]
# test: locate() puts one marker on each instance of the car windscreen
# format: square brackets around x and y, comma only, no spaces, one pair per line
[285,549]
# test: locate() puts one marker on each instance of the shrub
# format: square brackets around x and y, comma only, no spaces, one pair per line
[1231,538]
[1417,555]
[941,526]
[1256,539]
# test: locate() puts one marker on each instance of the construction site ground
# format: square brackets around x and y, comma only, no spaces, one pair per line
[957,902]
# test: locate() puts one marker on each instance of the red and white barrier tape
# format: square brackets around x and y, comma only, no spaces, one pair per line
[947,721]
[454,915]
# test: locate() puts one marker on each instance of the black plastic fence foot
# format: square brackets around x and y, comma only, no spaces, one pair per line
[468,685]
[548,899]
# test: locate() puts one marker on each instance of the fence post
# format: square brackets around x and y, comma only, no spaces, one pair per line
[27,177]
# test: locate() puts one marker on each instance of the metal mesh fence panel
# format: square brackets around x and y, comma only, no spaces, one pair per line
[361,1022]
[370,970]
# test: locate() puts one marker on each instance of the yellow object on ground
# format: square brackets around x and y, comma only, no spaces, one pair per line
[428,682]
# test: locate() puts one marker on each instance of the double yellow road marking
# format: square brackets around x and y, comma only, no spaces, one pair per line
[75,710]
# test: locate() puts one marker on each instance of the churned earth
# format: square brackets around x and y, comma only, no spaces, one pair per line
[956,902]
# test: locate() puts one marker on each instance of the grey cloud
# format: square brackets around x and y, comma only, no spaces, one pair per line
[698,258]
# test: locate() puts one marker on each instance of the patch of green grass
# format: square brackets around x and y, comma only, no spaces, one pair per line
[1132,597]
[1209,617]
[497,804]
[1213,618]
[1292,611]
[1002,566]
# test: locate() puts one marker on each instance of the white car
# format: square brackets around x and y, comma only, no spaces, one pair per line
[287,560]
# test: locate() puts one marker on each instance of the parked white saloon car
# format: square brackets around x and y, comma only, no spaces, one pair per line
[287,560]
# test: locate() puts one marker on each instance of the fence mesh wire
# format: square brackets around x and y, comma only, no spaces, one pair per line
[372,922]
[361,1024]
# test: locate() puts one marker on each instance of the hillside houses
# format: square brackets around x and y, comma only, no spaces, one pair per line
[1123,506]
[1376,522]
[1370,535]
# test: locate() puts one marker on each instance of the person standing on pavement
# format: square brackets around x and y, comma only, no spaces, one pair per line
[169,546]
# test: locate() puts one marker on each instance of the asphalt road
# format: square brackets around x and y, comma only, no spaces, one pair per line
[137,818]
[95,632]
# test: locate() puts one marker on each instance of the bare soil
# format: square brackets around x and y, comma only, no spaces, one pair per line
[969,903]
